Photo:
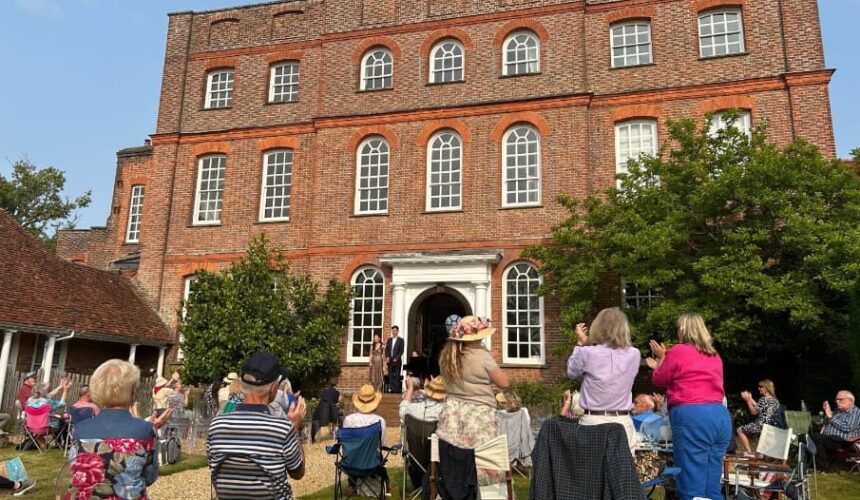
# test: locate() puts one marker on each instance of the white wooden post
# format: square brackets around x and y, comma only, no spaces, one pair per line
[160,369]
[4,359]
[132,352]
[48,358]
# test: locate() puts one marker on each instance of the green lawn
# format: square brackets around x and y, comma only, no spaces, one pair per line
[831,486]
[44,467]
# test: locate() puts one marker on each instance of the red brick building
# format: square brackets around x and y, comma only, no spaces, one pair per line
[415,147]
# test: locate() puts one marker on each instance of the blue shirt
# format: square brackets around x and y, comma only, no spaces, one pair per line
[844,425]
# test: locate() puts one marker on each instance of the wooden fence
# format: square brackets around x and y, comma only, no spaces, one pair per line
[15,379]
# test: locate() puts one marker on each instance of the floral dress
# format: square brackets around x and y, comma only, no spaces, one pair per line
[114,458]
[767,407]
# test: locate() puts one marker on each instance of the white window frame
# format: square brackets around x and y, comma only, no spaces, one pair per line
[186,292]
[382,180]
[284,82]
[385,73]
[135,214]
[711,30]
[217,193]
[443,51]
[742,123]
[438,165]
[536,179]
[622,156]
[61,350]
[285,184]
[509,65]
[641,299]
[350,341]
[219,88]
[506,276]
[621,50]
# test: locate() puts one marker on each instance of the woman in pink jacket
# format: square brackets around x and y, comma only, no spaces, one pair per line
[692,373]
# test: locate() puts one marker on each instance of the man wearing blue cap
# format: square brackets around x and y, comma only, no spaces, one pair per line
[251,452]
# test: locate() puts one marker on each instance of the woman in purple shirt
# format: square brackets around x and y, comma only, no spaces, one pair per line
[607,365]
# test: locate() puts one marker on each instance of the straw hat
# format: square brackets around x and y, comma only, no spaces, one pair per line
[230,377]
[160,381]
[435,388]
[471,328]
[366,399]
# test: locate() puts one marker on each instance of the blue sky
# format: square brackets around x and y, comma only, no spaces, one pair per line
[81,79]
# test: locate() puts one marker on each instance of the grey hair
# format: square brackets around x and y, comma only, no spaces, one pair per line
[257,390]
[848,394]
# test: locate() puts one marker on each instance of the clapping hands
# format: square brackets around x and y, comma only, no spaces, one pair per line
[581,334]
[746,395]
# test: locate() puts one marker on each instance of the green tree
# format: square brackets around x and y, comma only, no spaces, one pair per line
[257,305]
[762,241]
[34,197]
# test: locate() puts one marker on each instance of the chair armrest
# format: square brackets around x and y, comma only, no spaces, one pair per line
[854,440]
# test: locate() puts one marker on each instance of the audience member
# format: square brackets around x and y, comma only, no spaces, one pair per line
[84,407]
[224,392]
[841,425]
[365,401]
[18,488]
[507,400]
[607,364]
[764,410]
[427,409]
[251,434]
[327,411]
[235,395]
[692,373]
[210,397]
[160,393]
[177,400]
[115,452]
[330,394]
[570,407]
[27,388]
[468,419]
[41,397]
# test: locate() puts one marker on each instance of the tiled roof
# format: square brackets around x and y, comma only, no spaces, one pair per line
[41,291]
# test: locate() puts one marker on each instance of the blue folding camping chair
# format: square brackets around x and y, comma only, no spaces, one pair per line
[361,457]
[666,479]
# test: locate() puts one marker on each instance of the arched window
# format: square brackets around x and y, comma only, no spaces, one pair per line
[742,122]
[521,54]
[447,61]
[277,188]
[371,183]
[721,32]
[523,315]
[632,139]
[521,166]
[631,43]
[444,171]
[219,89]
[368,287]
[377,68]
[210,189]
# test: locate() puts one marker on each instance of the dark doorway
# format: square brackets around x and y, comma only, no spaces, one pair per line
[427,332]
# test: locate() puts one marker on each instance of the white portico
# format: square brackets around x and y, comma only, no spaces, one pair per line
[464,274]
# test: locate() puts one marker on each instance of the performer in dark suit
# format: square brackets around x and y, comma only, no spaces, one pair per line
[394,359]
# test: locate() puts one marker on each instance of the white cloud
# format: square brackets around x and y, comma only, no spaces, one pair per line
[42,8]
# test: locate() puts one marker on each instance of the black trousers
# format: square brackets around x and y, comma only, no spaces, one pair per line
[394,370]
[6,484]
[826,446]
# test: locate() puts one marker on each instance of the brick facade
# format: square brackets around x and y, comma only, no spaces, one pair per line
[574,102]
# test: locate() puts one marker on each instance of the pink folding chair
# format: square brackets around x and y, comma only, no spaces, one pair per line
[36,425]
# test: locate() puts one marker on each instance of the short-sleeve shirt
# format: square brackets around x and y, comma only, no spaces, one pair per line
[473,385]
[176,400]
[267,440]
[357,420]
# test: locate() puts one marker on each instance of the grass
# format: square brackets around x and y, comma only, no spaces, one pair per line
[45,466]
[831,486]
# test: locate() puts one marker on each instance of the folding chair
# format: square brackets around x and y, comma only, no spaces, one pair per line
[360,457]
[491,456]
[415,436]
[37,425]
[517,427]
[665,479]
[760,476]
[229,476]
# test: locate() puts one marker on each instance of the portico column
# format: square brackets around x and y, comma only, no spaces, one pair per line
[398,304]
[48,358]
[480,297]
[132,352]
[4,359]
[160,368]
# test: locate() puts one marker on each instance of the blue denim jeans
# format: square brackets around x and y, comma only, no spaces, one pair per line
[701,435]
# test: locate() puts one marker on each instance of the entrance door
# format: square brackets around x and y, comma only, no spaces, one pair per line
[427,331]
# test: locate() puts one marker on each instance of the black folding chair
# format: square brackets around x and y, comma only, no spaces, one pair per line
[416,453]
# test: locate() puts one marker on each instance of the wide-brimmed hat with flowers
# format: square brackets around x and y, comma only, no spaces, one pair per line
[366,399]
[469,328]
[435,388]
